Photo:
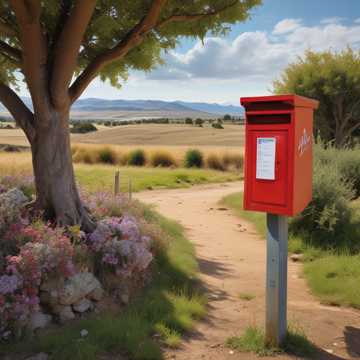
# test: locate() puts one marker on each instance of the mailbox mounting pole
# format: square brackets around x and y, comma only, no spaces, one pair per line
[276,279]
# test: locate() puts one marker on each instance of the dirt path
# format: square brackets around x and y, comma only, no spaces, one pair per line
[232,261]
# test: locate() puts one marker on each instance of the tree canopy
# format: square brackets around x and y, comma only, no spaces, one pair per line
[333,78]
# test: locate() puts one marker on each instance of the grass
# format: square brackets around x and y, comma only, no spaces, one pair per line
[332,276]
[156,318]
[101,177]
[246,296]
[253,340]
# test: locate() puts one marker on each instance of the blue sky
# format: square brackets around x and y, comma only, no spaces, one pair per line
[247,60]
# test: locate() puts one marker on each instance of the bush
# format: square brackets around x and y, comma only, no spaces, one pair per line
[137,158]
[86,156]
[108,155]
[326,222]
[163,159]
[83,128]
[233,161]
[199,122]
[189,121]
[194,158]
[214,162]
[217,125]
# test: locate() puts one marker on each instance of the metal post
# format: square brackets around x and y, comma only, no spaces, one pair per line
[130,189]
[117,183]
[276,279]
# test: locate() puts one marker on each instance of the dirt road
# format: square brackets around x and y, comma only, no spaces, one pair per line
[232,262]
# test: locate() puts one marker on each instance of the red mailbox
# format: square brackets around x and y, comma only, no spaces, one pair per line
[278,153]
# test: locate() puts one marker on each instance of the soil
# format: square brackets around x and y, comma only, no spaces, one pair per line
[231,257]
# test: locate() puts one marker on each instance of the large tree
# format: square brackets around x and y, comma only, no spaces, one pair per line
[334,79]
[59,46]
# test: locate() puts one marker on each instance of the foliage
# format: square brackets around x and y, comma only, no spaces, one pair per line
[233,161]
[217,125]
[213,161]
[167,307]
[253,340]
[108,155]
[199,122]
[194,158]
[189,121]
[137,158]
[83,128]
[334,79]
[162,159]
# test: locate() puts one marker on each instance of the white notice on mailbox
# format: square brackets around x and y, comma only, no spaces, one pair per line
[265,158]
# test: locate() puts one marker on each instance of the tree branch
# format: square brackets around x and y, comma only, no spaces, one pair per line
[20,112]
[10,51]
[67,50]
[132,39]
[6,29]
[34,48]
[194,17]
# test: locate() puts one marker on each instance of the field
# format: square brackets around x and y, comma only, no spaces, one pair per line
[101,177]
[149,135]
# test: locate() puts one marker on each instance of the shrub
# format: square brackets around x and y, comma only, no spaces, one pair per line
[137,158]
[217,125]
[327,219]
[86,155]
[194,158]
[214,162]
[83,128]
[108,155]
[199,122]
[233,161]
[163,159]
[189,121]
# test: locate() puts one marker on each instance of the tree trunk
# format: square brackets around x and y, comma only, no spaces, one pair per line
[56,190]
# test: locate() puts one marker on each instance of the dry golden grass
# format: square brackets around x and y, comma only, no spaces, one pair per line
[154,135]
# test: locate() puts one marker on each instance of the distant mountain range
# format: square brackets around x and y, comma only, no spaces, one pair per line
[102,105]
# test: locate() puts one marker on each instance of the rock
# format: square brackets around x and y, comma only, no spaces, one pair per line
[13,199]
[96,294]
[297,257]
[125,298]
[40,356]
[78,287]
[84,333]
[82,306]
[39,320]
[65,313]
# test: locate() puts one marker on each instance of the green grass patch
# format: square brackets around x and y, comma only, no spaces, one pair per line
[253,340]
[235,203]
[101,177]
[157,317]
[246,296]
[333,275]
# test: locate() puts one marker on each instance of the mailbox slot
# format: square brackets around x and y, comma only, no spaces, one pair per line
[269,119]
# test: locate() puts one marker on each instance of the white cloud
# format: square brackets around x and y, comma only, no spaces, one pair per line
[286,25]
[332,20]
[357,21]
[256,56]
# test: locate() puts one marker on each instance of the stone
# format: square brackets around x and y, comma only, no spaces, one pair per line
[297,257]
[65,313]
[82,306]
[84,333]
[39,356]
[39,320]
[77,287]
[125,298]
[96,294]
[13,199]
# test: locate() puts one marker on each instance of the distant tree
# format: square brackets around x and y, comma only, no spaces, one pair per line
[334,79]
[189,121]
[227,117]
[61,46]
[199,122]
[83,128]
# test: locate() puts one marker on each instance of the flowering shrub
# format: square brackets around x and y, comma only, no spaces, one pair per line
[44,252]
[32,252]
[121,246]
[24,182]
